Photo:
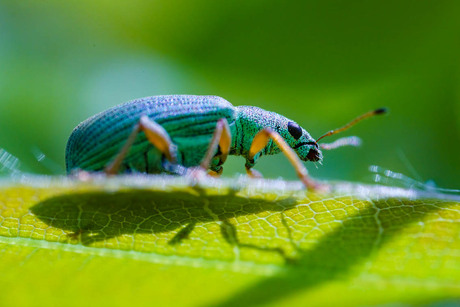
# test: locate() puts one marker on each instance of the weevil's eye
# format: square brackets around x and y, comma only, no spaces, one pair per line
[294,130]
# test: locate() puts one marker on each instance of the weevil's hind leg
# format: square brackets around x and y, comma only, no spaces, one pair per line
[155,133]
[222,138]
[260,141]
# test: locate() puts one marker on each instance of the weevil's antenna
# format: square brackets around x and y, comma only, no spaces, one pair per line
[354,122]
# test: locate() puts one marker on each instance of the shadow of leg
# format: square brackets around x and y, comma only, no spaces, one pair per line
[182,234]
[230,235]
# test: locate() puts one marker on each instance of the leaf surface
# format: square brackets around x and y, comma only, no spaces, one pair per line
[163,240]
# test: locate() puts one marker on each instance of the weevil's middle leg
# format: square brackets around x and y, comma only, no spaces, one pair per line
[261,140]
[222,138]
[155,133]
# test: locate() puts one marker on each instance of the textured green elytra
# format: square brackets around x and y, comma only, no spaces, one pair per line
[190,122]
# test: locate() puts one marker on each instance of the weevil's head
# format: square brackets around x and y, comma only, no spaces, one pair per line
[303,144]
[253,119]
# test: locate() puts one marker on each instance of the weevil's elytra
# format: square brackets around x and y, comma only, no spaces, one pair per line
[189,120]
[151,134]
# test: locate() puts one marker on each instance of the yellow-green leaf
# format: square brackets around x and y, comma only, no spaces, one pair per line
[144,240]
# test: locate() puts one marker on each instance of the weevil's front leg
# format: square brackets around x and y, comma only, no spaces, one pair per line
[155,133]
[261,140]
[222,138]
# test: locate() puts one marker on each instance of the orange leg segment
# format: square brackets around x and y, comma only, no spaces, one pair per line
[261,140]
[221,137]
[155,133]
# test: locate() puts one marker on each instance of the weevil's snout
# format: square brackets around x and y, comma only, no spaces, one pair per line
[314,155]
[309,151]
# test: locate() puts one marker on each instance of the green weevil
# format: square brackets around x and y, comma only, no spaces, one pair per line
[191,131]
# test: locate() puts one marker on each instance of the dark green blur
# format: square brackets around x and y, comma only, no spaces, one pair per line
[320,63]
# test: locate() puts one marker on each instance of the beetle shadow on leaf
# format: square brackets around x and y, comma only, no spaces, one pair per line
[99,216]
[336,254]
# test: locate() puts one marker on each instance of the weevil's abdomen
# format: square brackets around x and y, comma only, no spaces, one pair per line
[189,120]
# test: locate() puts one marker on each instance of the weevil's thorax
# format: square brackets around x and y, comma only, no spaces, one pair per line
[250,120]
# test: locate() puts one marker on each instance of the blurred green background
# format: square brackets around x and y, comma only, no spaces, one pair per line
[318,62]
